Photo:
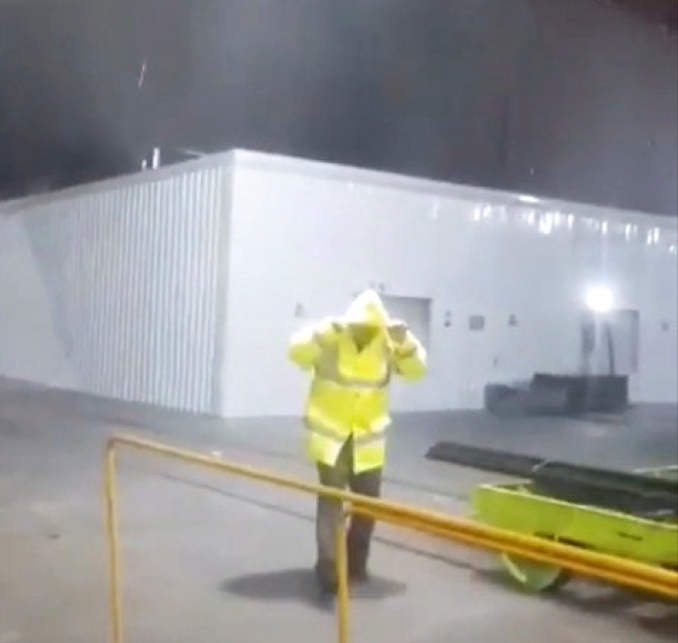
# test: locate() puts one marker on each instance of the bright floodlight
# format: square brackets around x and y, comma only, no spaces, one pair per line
[599,299]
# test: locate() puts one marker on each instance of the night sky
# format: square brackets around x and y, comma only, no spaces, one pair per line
[88,87]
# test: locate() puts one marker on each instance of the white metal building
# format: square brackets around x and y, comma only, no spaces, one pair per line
[180,287]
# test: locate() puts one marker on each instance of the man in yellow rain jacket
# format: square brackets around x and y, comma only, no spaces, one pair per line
[352,359]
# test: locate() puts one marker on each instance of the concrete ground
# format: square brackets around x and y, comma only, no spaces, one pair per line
[208,558]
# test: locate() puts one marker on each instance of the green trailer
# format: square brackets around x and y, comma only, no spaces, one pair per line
[630,515]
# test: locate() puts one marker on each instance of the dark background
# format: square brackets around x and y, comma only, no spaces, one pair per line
[576,99]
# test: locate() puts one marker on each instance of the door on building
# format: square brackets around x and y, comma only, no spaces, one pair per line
[610,343]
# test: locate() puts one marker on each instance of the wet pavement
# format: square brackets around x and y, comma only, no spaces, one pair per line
[209,558]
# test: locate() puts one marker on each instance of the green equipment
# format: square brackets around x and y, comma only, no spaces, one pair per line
[630,515]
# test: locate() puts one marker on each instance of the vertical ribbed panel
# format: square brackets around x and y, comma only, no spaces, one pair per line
[131,279]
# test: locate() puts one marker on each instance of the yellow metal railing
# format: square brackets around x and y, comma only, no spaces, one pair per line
[602,567]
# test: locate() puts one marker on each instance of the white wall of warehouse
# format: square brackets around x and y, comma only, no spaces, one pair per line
[116,289]
[180,287]
[306,237]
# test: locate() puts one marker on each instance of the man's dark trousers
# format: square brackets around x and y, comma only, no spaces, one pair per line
[329,515]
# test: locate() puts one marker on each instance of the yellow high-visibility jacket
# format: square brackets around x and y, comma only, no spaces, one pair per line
[349,388]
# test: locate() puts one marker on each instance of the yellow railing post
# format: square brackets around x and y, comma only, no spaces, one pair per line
[343,633]
[112,537]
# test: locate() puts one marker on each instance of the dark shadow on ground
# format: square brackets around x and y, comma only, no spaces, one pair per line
[299,585]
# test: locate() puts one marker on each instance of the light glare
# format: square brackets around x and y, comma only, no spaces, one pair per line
[599,299]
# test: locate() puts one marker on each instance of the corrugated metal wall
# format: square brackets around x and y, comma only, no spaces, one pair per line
[132,280]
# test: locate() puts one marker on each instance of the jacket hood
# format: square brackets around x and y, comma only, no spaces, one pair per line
[367,308]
